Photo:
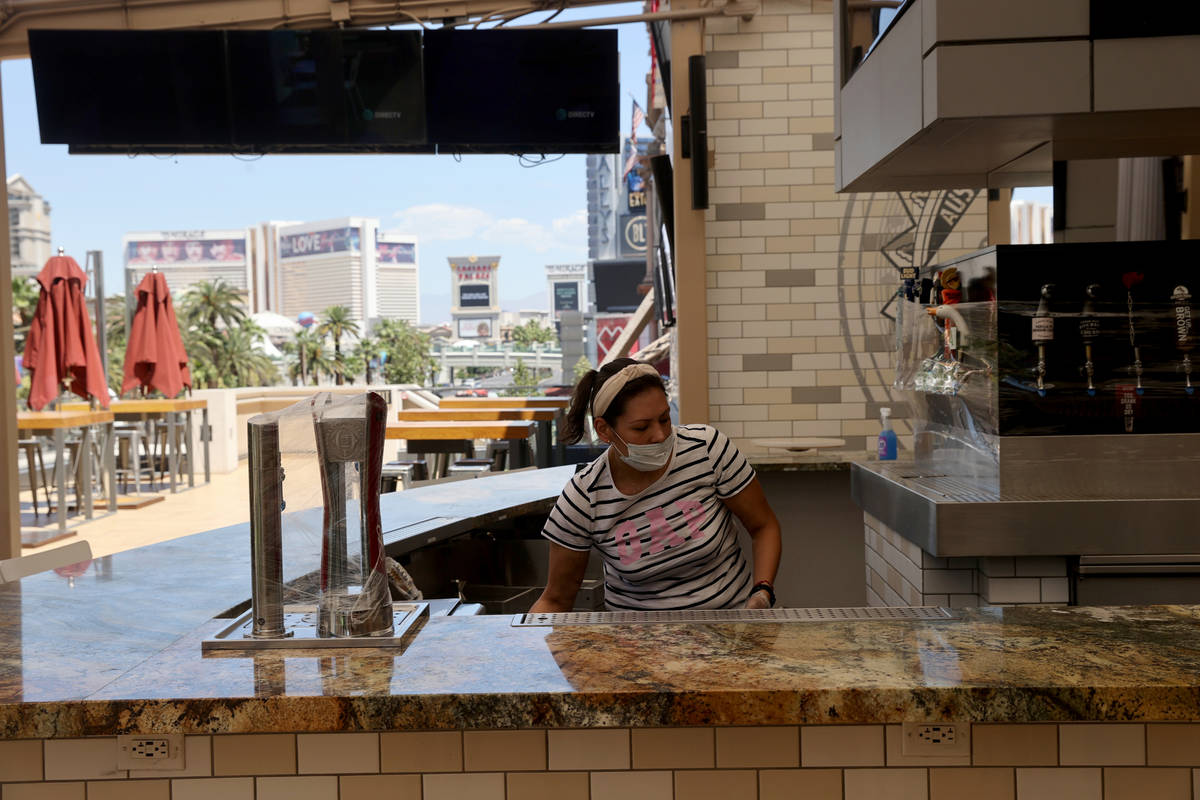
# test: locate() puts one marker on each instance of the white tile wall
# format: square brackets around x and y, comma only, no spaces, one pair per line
[208,788]
[82,759]
[326,753]
[839,762]
[292,787]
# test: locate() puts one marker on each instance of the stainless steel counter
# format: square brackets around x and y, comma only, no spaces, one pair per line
[949,517]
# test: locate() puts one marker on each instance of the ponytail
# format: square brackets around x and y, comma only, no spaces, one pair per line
[576,422]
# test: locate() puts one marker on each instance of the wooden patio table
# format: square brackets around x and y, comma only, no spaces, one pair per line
[542,416]
[58,423]
[459,437]
[148,410]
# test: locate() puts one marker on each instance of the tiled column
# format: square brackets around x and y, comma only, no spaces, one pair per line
[793,297]
[899,573]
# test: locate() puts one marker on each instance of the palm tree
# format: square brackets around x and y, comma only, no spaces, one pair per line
[210,302]
[244,364]
[114,318]
[366,351]
[203,349]
[336,322]
[302,346]
[319,361]
[25,294]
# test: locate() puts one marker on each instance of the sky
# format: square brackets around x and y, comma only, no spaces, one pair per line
[481,205]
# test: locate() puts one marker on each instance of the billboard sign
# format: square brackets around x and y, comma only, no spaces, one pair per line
[566,296]
[319,243]
[396,252]
[200,248]
[474,328]
[608,330]
[473,270]
[475,295]
[633,235]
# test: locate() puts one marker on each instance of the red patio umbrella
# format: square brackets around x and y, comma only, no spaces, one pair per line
[155,357]
[61,346]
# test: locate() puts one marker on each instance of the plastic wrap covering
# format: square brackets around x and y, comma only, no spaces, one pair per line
[1080,338]
[948,365]
[1056,367]
[314,484]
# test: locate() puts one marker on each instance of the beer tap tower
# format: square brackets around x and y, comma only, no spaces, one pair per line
[344,439]
[1117,427]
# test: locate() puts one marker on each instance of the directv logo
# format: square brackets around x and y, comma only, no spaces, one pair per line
[368,114]
[562,114]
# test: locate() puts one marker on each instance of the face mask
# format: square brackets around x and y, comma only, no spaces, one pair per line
[648,457]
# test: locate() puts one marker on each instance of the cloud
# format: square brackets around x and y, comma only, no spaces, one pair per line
[445,222]
[442,222]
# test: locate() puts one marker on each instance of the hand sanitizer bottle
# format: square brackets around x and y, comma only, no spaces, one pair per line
[887,436]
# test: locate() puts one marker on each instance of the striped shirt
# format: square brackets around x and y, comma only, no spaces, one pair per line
[674,544]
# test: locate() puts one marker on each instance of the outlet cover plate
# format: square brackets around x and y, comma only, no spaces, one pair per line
[936,739]
[150,751]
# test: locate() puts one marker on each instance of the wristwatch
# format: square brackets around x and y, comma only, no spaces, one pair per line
[765,586]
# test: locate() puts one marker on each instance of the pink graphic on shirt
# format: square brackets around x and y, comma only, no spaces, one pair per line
[629,544]
[662,535]
[660,531]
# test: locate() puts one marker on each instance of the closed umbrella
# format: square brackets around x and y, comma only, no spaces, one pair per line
[155,357]
[60,347]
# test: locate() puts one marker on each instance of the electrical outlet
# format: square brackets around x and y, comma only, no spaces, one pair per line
[157,751]
[936,739]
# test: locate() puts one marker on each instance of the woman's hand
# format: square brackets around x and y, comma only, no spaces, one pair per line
[759,599]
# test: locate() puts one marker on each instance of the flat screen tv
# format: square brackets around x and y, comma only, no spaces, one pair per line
[502,91]
[356,90]
[328,91]
[616,281]
[230,91]
[129,87]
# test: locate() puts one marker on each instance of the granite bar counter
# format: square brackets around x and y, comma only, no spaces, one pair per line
[475,707]
[993,664]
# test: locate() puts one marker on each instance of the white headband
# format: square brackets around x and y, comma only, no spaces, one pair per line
[613,386]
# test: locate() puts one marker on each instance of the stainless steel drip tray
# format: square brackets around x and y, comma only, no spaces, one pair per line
[717,616]
[300,623]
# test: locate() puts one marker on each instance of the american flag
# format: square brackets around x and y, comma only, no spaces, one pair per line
[633,159]
[639,116]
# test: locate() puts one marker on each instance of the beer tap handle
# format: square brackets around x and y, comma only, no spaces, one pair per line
[1183,332]
[1089,331]
[1131,279]
[1043,334]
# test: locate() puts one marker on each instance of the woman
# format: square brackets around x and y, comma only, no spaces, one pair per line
[658,506]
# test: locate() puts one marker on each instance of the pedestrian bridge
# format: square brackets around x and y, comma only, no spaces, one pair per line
[496,357]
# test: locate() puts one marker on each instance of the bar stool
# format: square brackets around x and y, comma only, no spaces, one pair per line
[33,449]
[160,464]
[402,472]
[75,459]
[497,452]
[130,447]
[466,465]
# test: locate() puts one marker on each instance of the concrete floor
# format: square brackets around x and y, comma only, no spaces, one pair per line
[208,506]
